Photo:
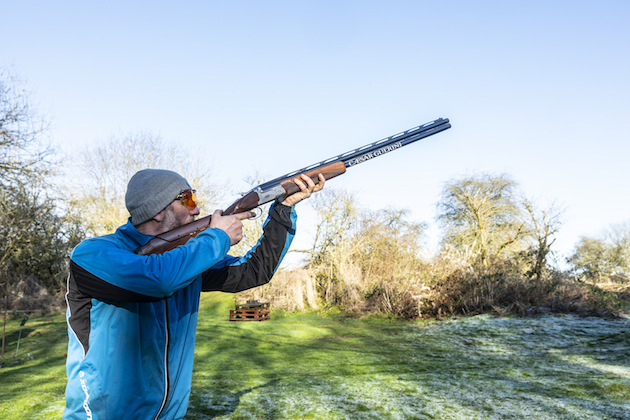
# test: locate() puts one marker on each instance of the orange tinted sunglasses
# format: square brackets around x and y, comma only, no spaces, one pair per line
[188,198]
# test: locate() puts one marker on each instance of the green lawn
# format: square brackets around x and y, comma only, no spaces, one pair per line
[328,366]
[34,389]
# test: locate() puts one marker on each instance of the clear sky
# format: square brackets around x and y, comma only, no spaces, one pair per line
[539,90]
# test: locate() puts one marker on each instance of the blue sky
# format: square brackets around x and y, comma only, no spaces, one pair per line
[538,90]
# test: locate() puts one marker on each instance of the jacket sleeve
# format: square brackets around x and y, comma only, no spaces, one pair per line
[103,269]
[256,268]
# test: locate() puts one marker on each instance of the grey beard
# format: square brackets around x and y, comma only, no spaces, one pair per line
[170,221]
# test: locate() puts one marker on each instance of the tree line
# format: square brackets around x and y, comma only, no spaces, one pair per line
[494,240]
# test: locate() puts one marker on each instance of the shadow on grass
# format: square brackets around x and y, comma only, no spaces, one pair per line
[383,369]
[210,406]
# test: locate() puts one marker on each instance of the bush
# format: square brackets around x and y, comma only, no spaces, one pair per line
[503,293]
[28,294]
[435,292]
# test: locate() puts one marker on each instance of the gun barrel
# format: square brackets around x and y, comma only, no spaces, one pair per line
[372,150]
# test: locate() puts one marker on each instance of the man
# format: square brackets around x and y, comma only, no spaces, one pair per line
[132,319]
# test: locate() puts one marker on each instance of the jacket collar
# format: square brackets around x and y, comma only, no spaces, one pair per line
[129,234]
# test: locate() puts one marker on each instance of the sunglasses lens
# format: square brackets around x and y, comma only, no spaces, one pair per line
[192,201]
[188,198]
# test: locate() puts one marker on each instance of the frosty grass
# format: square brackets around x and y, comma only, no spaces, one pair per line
[550,367]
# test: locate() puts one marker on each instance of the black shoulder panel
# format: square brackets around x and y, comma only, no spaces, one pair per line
[94,287]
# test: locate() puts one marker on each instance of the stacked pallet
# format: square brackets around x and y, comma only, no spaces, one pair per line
[252,310]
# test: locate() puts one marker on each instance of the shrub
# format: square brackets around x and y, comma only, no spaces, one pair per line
[503,292]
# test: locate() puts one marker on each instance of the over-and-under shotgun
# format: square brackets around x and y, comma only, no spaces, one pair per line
[284,185]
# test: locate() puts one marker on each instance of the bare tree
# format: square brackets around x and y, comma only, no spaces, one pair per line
[618,236]
[337,213]
[545,223]
[481,215]
[102,172]
[24,149]
[606,257]
[34,236]
[386,244]
[590,258]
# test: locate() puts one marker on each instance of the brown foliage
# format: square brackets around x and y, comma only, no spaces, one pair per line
[436,292]
[28,294]
[505,292]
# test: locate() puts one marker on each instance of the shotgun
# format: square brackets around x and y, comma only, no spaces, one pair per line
[284,185]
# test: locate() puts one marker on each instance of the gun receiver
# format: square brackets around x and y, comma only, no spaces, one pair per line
[284,185]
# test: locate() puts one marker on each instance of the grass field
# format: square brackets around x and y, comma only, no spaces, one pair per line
[329,366]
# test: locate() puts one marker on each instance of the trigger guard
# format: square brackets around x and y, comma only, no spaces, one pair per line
[258,211]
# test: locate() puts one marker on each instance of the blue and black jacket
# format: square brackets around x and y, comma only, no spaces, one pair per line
[132,319]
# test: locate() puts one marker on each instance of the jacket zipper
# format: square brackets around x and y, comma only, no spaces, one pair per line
[168,342]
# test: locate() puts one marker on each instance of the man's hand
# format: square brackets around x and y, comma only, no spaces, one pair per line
[307,187]
[231,225]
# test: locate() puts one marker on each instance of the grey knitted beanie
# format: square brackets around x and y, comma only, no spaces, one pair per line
[150,191]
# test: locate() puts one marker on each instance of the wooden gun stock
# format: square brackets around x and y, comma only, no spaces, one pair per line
[173,238]
[253,199]
[179,236]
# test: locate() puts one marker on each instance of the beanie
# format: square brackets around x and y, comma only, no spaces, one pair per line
[150,191]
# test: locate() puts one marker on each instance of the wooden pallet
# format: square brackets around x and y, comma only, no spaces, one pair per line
[250,311]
